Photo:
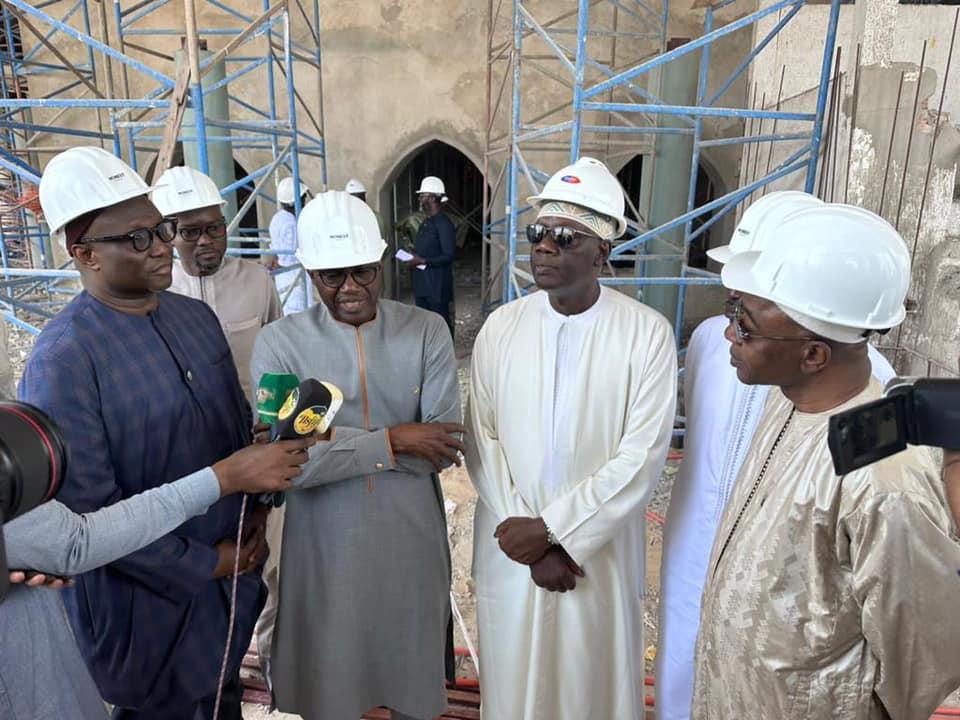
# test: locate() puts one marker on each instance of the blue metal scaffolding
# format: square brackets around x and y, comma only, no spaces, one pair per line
[635,121]
[259,51]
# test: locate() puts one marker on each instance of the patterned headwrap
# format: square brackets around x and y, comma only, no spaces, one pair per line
[601,225]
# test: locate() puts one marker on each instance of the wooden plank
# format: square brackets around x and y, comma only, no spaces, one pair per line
[169,142]
[256,696]
[462,714]
[464,697]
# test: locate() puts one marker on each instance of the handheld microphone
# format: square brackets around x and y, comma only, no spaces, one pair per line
[295,409]
[272,392]
[310,408]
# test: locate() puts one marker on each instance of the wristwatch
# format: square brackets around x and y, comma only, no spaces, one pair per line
[551,538]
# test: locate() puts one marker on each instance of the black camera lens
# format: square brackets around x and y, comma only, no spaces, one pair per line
[33,458]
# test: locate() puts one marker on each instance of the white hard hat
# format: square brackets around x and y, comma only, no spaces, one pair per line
[836,264]
[338,230]
[83,179]
[285,191]
[355,187]
[590,184]
[432,185]
[182,189]
[767,212]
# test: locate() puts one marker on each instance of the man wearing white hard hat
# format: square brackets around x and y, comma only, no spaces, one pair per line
[434,249]
[721,417]
[365,570]
[358,189]
[283,241]
[826,596]
[572,400]
[240,292]
[143,386]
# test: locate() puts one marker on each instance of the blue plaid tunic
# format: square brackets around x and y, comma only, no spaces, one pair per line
[142,401]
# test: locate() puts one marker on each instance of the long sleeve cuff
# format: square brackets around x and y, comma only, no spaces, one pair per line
[199,490]
[372,451]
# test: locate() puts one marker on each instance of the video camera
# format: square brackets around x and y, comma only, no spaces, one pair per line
[912,411]
[33,462]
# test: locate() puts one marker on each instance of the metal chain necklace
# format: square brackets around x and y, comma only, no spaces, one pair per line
[756,486]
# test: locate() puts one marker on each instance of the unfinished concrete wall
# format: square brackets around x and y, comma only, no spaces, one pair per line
[879,153]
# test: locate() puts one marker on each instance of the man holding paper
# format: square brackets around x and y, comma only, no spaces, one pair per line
[434,250]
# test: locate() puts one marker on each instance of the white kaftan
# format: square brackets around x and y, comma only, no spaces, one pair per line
[570,420]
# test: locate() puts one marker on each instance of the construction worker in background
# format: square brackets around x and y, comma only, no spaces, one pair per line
[826,596]
[365,572]
[722,415]
[283,241]
[241,293]
[357,189]
[144,389]
[572,399]
[434,250]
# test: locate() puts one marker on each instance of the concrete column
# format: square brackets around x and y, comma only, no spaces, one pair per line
[874,28]
[216,107]
[670,178]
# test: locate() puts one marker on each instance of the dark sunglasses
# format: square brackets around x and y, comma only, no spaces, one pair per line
[734,311]
[214,231]
[563,237]
[334,279]
[141,238]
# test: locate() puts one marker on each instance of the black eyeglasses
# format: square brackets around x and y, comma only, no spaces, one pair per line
[734,311]
[563,237]
[336,278]
[214,231]
[141,238]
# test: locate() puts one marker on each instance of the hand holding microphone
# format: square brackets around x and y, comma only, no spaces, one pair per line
[263,468]
[290,410]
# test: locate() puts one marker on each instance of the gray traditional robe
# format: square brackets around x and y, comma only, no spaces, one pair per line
[365,569]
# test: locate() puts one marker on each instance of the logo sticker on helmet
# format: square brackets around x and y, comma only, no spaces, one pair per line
[572,179]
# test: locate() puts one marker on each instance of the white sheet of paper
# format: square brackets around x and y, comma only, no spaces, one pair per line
[404,256]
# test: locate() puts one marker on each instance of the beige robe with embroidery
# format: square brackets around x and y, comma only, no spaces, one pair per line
[835,597]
